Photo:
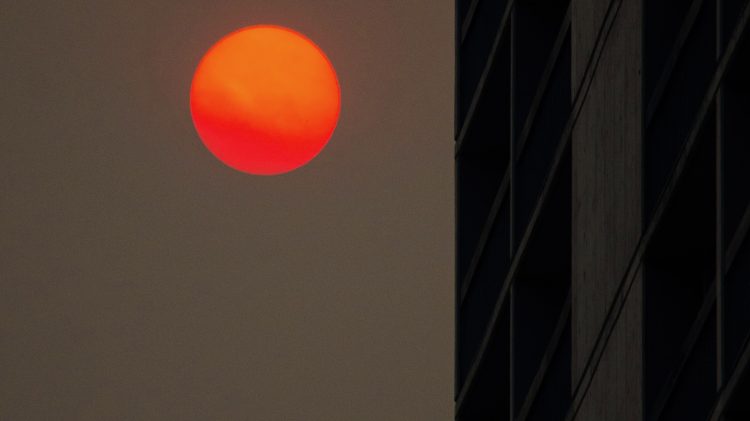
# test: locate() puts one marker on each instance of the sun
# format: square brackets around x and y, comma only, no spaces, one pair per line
[265,100]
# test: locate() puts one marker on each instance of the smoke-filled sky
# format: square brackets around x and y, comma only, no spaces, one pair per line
[141,279]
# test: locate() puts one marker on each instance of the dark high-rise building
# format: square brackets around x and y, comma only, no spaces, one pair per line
[603,208]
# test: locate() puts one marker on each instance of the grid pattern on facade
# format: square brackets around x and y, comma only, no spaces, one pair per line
[533,82]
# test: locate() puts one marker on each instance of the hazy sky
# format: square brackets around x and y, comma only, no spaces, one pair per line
[142,279]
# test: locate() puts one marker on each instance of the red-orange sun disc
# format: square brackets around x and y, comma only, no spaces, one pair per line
[265,100]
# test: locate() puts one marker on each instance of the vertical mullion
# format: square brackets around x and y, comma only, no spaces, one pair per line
[643,210]
[511,353]
[719,104]
[512,129]
[512,206]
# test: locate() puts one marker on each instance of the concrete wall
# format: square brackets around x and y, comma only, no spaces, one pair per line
[606,152]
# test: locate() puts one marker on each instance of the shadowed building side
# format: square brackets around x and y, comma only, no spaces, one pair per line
[606,217]
[602,261]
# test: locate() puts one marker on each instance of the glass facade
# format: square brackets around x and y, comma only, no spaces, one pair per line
[602,208]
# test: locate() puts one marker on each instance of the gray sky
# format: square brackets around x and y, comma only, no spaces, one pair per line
[142,279]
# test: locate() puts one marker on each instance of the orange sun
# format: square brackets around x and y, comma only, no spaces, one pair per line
[265,100]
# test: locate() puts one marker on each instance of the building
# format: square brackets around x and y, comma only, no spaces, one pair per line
[602,210]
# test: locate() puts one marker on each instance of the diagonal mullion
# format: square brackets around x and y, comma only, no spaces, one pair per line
[552,348]
[489,223]
[480,88]
[687,349]
[739,237]
[502,190]
[623,290]
[580,96]
[674,55]
[468,19]
[727,392]
[543,84]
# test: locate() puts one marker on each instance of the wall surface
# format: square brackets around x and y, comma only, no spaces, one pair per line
[606,225]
